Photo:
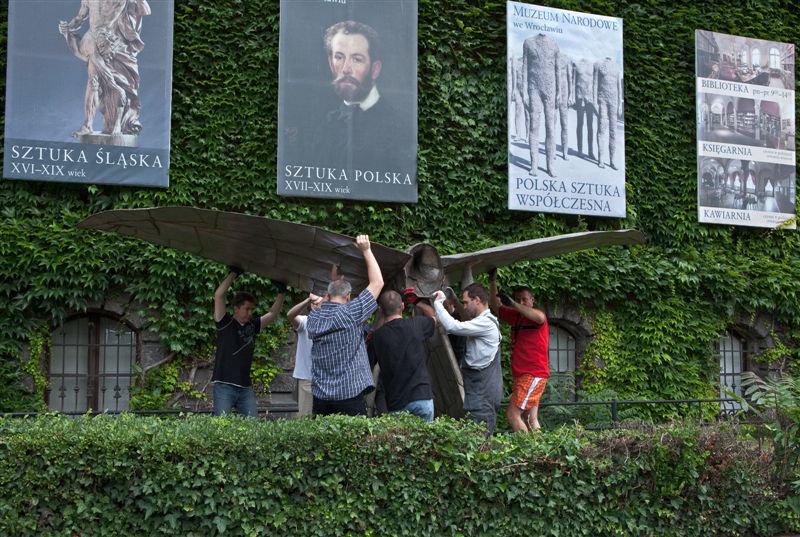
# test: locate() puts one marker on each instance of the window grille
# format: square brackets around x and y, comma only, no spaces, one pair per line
[561,353]
[730,351]
[91,365]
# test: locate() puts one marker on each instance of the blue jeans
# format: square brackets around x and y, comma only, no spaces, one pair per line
[228,396]
[422,408]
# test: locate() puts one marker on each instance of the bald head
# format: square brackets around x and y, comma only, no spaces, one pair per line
[391,303]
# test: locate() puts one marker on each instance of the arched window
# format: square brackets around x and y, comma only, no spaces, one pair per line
[756,57]
[731,354]
[751,185]
[562,361]
[774,58]
[91,365]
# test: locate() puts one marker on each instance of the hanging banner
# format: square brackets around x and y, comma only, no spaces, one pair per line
[745,131]
[347,100]
[566,131]
[88,91]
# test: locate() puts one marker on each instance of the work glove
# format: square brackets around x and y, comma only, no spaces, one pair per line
[280,287]
[410,296]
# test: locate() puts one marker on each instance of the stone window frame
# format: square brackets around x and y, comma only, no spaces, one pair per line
[568,319]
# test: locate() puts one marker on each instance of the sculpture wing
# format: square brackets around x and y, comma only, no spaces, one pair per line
[507,254]
[296,254]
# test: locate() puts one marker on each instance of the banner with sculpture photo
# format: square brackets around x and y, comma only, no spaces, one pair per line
[566,130]
[347,100]
[745,131]
[88,91]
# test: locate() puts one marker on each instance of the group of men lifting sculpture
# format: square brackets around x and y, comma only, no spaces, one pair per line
[545,81]
[333,365]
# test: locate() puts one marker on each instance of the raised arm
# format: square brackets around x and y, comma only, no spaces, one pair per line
[533,314]
[273,312]
[219,295]
[298,308]
[473,327]
[295,310]
[494,300]
[427,310]
[373,269]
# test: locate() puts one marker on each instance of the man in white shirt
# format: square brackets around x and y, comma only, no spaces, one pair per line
[483,382]
[302,361]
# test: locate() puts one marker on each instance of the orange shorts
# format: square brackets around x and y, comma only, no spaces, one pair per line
[526,391]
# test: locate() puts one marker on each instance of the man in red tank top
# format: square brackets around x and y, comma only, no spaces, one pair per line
[530,367]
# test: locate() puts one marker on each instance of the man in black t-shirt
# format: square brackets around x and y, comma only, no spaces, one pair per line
[236,336]
[399,345]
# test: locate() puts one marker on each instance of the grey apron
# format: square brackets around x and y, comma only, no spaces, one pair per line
[483,392]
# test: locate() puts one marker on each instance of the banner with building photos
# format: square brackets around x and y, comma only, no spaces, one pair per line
[347,100]
[745,131]
[88,91]
[566,130]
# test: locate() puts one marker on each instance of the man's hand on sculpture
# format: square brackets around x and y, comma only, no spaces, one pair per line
[505,300]
[279,286]
[362,242]
[438,296]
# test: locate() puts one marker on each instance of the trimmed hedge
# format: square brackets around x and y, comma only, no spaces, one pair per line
[389,476]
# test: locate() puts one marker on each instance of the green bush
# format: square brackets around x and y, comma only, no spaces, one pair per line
[204,476]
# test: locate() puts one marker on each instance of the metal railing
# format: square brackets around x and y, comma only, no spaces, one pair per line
[697,408]
[703,411]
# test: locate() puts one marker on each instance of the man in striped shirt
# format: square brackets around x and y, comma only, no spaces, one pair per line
[340,371]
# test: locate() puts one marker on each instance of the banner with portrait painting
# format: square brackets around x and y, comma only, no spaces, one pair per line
[347,100]
[88,91]
[566,126]
[745,131]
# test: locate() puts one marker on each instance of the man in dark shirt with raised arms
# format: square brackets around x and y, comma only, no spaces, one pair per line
[236,336]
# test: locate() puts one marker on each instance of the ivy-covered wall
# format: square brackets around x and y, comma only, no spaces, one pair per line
[656,309]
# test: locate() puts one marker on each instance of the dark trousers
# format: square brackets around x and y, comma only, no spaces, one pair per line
[355,406]
[483,393]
